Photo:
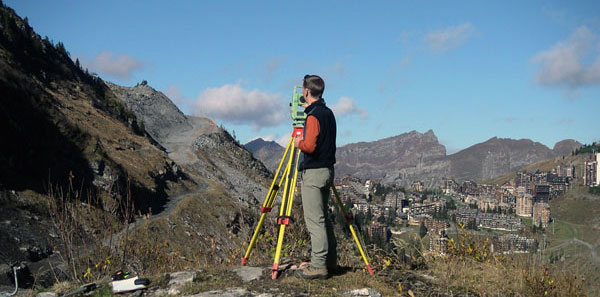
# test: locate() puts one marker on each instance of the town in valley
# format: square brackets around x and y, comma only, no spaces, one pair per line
[511,215]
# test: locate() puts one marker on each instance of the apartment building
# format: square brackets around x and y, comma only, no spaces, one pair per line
[541,214]
[524,205]
[591,174]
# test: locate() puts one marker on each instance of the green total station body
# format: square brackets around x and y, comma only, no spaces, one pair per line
[298,115]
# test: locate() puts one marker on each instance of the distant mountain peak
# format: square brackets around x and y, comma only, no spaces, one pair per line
[565,147]
[269,152]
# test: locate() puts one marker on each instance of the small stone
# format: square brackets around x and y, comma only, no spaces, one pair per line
[364,292]
[159,292]
[248,273]
[46,294]
[233,292]
[178,281]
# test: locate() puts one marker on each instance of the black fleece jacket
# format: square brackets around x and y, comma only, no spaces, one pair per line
[324,154]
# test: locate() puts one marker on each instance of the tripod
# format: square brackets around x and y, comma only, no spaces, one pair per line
[290,176]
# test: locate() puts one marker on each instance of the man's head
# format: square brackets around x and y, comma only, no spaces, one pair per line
[313,86]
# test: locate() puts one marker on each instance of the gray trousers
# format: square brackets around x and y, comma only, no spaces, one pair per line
[316,186]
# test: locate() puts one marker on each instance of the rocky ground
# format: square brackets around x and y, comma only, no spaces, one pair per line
[256,281]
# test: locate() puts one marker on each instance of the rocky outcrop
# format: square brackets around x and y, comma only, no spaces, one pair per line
[431,173]
[394,154]
[157,112]
[221,158]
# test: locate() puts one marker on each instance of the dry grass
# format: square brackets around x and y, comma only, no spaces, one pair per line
[470,267]
[511,277]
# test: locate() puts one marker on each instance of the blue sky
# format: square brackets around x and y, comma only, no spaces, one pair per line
[468,70]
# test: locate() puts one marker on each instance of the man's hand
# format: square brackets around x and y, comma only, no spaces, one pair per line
[297,141]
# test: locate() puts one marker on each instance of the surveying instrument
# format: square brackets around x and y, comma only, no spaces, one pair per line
[288,179]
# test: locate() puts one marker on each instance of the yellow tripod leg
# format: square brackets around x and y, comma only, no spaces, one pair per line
[348,221]
[268,203]
[286,209]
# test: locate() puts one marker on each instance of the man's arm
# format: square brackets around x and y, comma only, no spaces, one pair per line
[311,132]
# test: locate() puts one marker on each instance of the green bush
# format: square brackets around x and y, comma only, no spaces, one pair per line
[588,149]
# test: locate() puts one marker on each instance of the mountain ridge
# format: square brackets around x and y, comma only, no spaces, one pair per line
[412,156]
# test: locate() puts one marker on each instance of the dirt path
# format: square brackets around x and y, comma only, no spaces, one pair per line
[179,148]
[167,209]
[575,240]
[179,145]
[593,252]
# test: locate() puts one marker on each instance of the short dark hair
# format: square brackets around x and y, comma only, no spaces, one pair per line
[314,84]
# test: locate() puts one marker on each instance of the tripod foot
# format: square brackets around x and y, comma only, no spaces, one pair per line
[370,269]
[275,267]
[244,259]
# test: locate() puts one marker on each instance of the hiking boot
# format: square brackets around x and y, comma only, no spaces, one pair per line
[310,272]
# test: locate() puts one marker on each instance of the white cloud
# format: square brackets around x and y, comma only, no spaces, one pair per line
[449,38]
[109,64]
[281,140]
[346,106]
[565,63]
[284,139]
[234,104]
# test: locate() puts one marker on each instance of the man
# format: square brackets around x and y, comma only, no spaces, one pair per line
[318,147]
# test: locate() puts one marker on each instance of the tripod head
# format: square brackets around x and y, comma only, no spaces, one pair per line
[298,116]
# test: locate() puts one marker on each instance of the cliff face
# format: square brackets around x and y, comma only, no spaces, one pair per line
[379,158]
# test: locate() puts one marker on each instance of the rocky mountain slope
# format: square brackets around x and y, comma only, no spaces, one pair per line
[198,144]
[68,143]
[415,156]
[495,157]
[107,153]
[158,114]
[61,124]
[565,147]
